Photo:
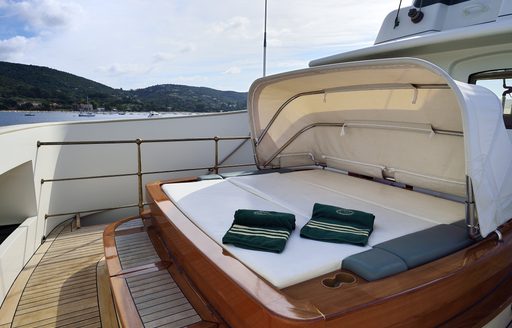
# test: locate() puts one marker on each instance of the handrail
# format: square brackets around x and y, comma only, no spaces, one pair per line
[138,142]
[365,87]
[128,141]
[296,135]
[342,125]
[93,210]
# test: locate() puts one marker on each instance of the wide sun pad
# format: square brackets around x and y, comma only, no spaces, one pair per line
[211,205]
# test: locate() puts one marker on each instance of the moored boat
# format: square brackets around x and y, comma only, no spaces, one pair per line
[86,114]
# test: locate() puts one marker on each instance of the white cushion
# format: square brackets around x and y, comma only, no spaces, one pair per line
[290,191]
[212,204]
[422,206]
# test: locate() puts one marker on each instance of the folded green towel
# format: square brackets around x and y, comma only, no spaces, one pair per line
[259,218]
[260,230]
[338,225]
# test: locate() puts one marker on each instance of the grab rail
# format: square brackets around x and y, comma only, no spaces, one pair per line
[387,86]
[217,165]
[342,125]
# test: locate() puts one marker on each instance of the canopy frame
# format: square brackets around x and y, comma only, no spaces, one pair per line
[477,168]
[387,86]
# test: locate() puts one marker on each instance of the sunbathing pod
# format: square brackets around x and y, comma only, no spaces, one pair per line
[401,119]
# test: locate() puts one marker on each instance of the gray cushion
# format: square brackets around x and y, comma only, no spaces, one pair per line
[427,245]
[460,224]
[374,264]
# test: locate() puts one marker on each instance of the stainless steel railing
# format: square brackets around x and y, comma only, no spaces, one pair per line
[218,164]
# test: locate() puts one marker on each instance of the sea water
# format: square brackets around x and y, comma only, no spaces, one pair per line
[19,117]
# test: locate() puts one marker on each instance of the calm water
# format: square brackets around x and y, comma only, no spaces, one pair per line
[13,118]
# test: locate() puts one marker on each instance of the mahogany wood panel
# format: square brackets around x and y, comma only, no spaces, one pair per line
[486,310]
[428,295]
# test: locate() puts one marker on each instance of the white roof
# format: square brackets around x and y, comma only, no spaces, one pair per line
[401,118]
[461,38]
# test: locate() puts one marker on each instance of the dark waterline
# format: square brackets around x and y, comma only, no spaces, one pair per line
[13,118]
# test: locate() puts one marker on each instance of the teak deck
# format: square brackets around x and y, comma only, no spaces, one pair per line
[62,285]
[66,283]
[470,286]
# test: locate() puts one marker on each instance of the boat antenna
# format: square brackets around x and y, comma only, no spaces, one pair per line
[265,42]
[397,21]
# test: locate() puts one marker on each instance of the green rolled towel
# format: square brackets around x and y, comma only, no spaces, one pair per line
[338,225]
[260,230]
[259,218]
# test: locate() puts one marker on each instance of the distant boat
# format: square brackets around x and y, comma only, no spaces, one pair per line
[30,114]
[151,114]
[86,114]
[86,109]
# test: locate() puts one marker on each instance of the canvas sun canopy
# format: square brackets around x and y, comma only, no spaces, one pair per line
[404,119]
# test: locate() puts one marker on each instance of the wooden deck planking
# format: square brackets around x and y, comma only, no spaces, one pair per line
[135,250]
[55,301]
[63,284]
[53,283]
[68,319]
[131,224]
[158,299]
[8,308]
[62,289]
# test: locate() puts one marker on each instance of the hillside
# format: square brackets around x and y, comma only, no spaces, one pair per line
[26,87]
[174,97]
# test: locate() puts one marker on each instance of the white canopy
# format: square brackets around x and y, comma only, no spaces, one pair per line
[404,119]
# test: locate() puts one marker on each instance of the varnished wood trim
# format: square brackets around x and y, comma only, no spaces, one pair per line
[203,324]
[123,232]
[198,302]
[127,311]
[485,310]
[427,295]
[128,314]
[105,300]
[145,268]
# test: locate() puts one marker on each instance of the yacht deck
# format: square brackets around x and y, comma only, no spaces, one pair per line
[59,285]
[157,298]
[66,283]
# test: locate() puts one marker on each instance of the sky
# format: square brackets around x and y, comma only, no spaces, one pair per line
[133,44]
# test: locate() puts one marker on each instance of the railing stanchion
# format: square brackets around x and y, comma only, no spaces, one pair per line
[216,167]
[77,220]
[139,176]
